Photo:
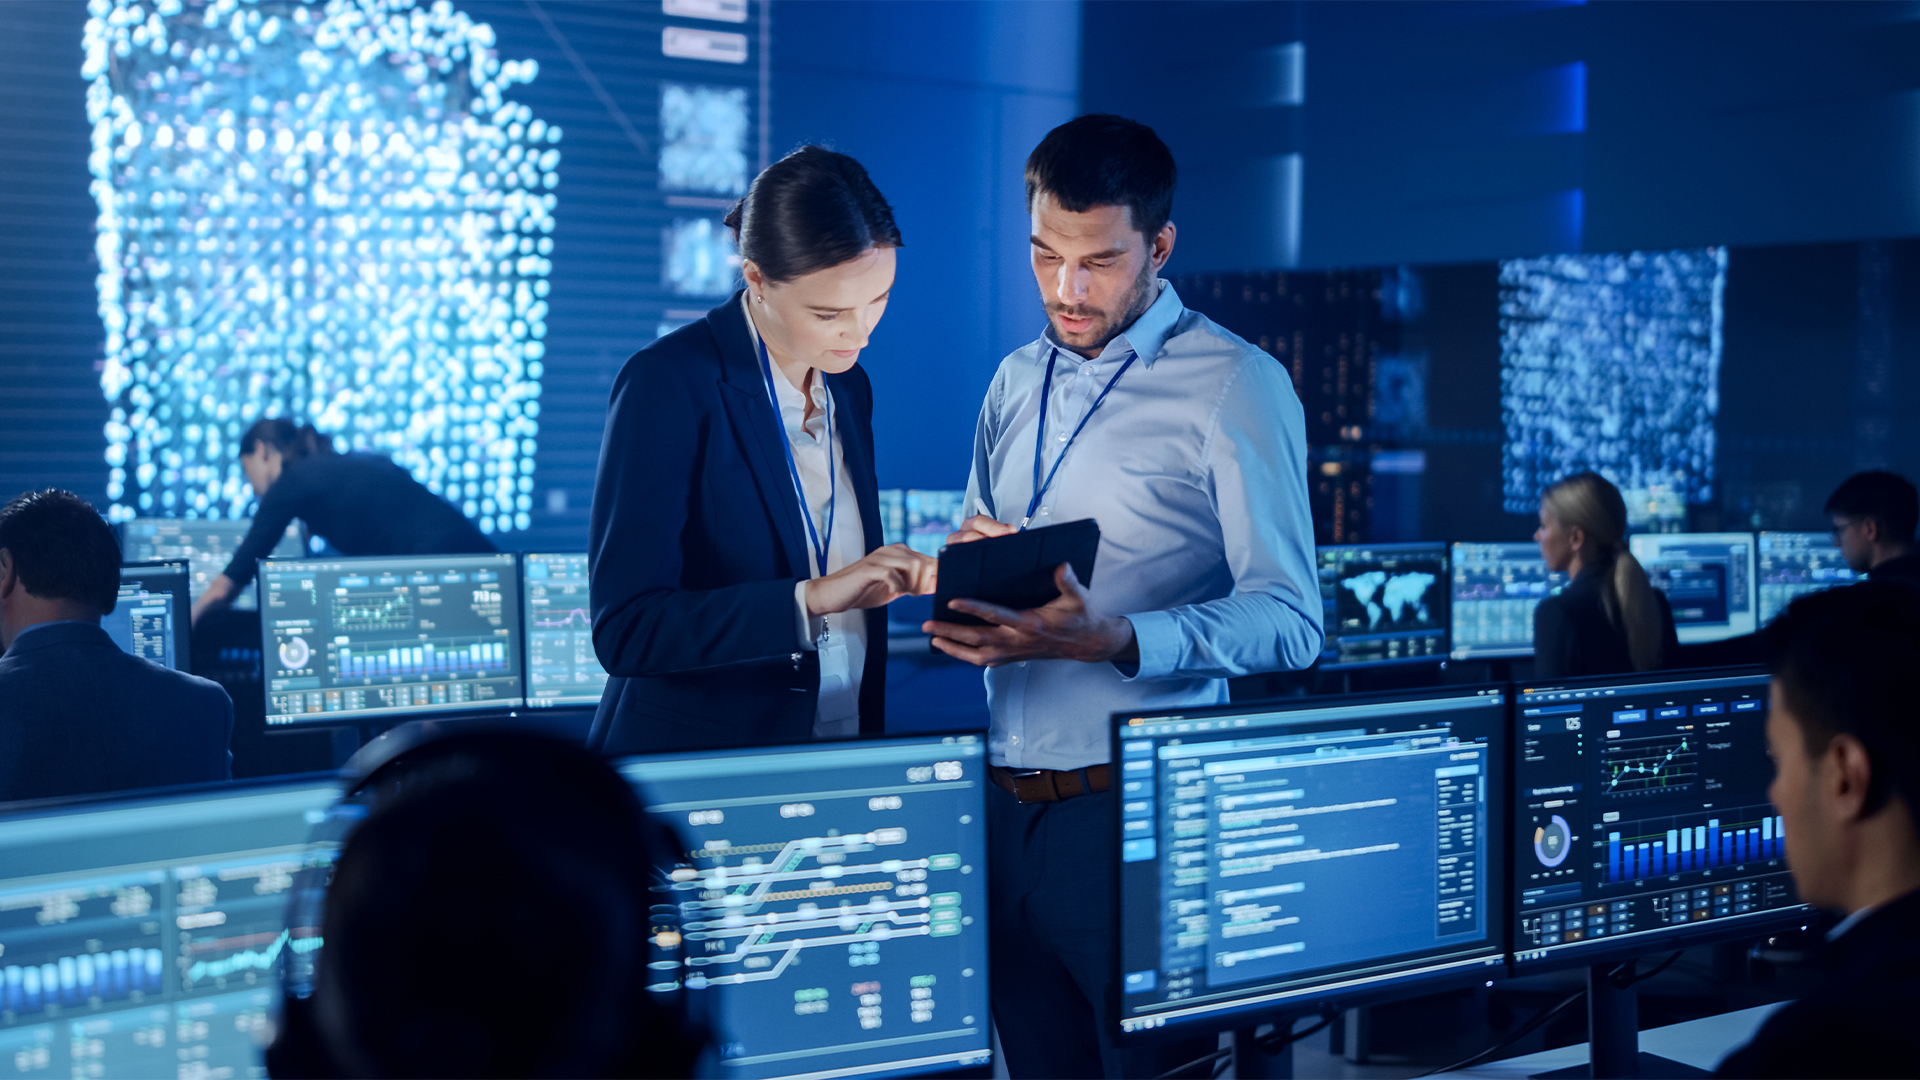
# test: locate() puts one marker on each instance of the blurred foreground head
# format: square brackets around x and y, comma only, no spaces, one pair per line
[490,918]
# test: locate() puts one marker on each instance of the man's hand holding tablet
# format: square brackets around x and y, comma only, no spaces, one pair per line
[1060,629]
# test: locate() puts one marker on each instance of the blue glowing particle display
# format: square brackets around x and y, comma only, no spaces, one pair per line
[322,210]
[1612,363]
[703,139]
[700,260]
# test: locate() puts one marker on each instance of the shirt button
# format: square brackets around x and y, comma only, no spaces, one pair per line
[1015,738]
[1063,438]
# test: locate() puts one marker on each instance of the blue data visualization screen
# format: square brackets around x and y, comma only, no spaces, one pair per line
[562,668]
[1793,564]
[1642,816]
[1385,604]
[150,615]
[206,544]
[399,637]
[1708,579]
[832,900]
[1288,855]
[922,518]
[1495,589]
[140,937]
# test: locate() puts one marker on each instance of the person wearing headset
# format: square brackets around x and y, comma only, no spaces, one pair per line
[1609,620]
[734,554]
[363,504]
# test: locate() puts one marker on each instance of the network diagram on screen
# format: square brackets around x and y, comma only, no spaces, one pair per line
[1642,810]
[833,900]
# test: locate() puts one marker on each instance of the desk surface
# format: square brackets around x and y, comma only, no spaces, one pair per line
[1700,1043]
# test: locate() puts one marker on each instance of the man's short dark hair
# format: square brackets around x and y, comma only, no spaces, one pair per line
[1848,662]
[1888,498]
[1103,160]
[62,548]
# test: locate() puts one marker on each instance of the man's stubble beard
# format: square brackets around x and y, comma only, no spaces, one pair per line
[1138,302]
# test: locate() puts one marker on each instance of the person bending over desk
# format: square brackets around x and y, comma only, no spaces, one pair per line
[363,504]
[1844,733]
[78,715]
[1609,620]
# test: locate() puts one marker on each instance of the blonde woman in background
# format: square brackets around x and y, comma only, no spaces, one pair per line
[1609,620]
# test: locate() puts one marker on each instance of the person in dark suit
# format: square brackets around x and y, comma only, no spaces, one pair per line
[736,567]
[1609,619]
[1844,733]
[78,715]
[363,504]
[1874,517]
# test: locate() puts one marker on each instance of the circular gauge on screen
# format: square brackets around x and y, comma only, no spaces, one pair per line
[1552,841]
[294,653]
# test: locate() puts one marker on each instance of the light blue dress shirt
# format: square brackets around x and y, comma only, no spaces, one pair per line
[1196,469]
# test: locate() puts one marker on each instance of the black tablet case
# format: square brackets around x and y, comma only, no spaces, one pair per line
[1014,571]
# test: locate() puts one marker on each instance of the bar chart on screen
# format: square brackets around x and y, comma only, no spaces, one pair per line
[1704,841]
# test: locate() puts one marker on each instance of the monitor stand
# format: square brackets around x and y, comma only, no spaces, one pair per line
[1613,1039]
[1253,1062]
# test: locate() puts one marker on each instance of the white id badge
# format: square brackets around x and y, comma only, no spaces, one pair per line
[836,672]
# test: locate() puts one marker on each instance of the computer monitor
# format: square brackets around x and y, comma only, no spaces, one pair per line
[562,668]
[1495,589]
[395,638]
[1286,857]
[832,901]
[1708,579]
[1385,604]
[922,518]
[1641,817]
[139,935]
[151,616]
[206,545]
[1793,564]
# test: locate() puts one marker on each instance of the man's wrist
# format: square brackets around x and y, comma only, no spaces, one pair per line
[1126,646]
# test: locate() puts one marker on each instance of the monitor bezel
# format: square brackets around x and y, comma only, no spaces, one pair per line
[1613,950]
[1445,549]
[526,641]
[1493,961]
[182,605]
[394,717]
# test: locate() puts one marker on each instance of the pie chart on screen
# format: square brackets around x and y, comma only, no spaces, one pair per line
[1552,841]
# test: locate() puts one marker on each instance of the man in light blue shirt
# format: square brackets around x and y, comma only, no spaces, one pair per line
[1187,445]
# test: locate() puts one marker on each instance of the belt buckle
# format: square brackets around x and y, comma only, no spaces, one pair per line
[1019,795]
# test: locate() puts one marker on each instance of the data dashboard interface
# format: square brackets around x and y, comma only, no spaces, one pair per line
[1385,604]
[1708,579]
[351,639]
[1292,856]
[1642,816]
[562,668]
[150,616]
[832,901]
[141,937]
[1495,589]
[206,545]
[1793,564]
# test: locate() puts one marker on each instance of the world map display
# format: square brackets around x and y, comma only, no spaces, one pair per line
[1382,593]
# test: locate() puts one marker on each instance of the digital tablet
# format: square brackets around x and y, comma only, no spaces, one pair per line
[1014,571]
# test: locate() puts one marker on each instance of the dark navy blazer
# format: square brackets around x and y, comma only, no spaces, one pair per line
[696,543]
[78,715]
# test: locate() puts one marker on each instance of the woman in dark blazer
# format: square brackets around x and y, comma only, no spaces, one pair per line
[1609,620]
[737,574]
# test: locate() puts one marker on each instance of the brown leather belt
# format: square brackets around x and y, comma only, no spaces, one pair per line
[1051,785]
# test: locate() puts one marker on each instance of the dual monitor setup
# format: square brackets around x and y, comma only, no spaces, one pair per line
[1388,604]
[829,902]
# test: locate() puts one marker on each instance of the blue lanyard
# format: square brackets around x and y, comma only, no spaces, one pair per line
[820,544]
[1040,437]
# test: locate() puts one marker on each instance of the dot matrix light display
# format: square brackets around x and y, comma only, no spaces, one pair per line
[325,211]
[1612,363]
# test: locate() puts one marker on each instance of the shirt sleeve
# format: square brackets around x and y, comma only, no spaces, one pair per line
[1256,463]
[278,507]
[985,435]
